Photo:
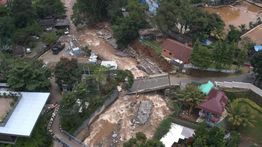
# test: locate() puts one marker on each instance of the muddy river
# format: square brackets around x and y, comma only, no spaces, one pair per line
[241,13]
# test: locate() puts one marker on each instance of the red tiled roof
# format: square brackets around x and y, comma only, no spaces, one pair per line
[215,103]
[3,2]
[180,50]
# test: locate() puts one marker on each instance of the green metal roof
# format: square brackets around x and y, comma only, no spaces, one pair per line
[205,88]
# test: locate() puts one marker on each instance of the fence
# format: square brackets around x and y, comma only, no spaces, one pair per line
[190,66]
[80,133]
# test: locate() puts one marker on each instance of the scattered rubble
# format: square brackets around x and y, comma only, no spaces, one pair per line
[144,112]
[116,125]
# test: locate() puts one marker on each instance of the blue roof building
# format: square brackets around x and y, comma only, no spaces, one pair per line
[152,5]
[258,48]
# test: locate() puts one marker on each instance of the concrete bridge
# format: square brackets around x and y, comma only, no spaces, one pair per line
[163,81]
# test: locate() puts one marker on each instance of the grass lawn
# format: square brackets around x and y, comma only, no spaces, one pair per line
[154,45]
[254,133]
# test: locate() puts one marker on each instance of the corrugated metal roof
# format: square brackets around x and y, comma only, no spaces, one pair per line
[25,114]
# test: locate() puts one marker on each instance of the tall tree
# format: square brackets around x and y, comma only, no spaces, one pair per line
[233,34]
[23,12]
[89,11]
[45,8]
[78,104]
[256,62]
[7,27]
[201,56]
[190,96]
[240,115]
[28,76]
[222,55]
[125,29]
[101,75]
[115,9]
[202,137]
[179,16]
[67,72]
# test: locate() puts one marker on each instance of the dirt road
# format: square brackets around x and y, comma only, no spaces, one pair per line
[107,52]
[115,125]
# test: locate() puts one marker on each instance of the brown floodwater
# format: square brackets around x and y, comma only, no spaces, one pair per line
[241,13]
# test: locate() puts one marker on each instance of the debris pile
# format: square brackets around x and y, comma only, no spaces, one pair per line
[144,112]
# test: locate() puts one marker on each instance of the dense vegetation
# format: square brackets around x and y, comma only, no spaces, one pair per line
[181,17]
[127,17]
[222,54]
[40,136]
[19,20]
[256,62]
[140,140]
[88,93]
[24,75]
[203,137]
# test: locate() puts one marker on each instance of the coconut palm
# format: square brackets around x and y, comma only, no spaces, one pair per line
[240,115]
[100,75]
[190,96]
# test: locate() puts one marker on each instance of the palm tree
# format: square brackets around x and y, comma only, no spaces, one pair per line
[100,75]
[190,96]
[240,115]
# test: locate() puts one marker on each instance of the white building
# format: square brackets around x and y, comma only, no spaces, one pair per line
[23,117]
[175,133]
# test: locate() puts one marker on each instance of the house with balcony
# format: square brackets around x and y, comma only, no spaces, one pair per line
[213,108]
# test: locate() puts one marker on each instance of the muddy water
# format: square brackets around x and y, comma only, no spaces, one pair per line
[238,14]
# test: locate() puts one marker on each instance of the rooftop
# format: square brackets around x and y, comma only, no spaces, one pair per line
[180,51]
[215,103]
[175,133]
[205,88]
[25,114]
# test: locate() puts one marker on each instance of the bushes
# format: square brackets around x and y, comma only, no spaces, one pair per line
[49,38]
[240,93]
[250,103]
[163,128]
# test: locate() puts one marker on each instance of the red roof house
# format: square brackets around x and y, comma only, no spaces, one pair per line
[215,103]
[3,2]
[175,50]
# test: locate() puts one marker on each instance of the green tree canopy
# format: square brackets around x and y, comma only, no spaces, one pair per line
[222,54]
[45,8]
[190,96]
[7,26]
[205,137]
[180,16]
[240,115]
[23,12]
[67,72]
[141,140]
[201,56]
[256,62]
[125,29]
[89,11]
[233,34]
[28,76]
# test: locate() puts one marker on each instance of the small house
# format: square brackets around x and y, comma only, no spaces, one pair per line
[62,24]
[149,34]
[112,65]
[3,2]
[214,106]
[47,23]
[176,51]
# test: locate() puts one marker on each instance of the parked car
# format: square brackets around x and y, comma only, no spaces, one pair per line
[57,48]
